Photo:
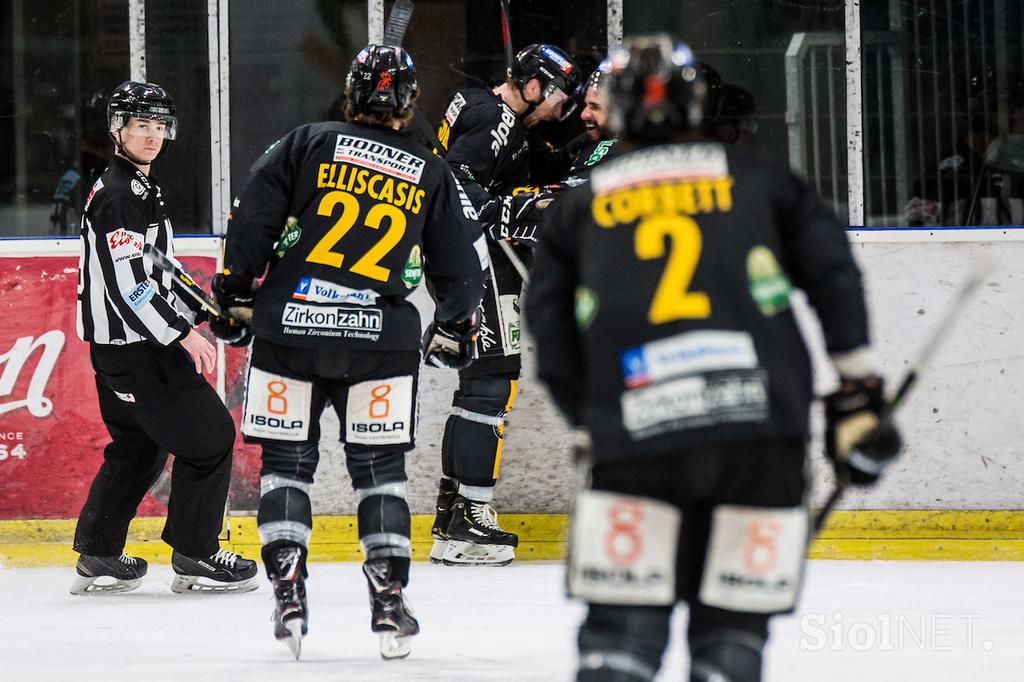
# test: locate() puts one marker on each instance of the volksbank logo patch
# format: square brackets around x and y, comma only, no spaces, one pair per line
[687,353]
[353,319]
[379,157]
[321,291]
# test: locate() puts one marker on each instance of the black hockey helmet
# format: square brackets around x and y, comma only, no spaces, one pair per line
[382,80]
[141,100]
[655,89]
[553,68]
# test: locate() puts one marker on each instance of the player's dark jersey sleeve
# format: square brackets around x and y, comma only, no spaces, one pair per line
[120,223]
[550,309]
[821,263]
[455,255]
[259,213]
[474,155]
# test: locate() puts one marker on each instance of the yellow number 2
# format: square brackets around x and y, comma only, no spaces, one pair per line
[672,300]
[369,264]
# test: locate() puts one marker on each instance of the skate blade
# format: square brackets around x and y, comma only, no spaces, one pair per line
[183,584]
[461,553]
[438,550]
[294,638]
[88,585]
[393,646]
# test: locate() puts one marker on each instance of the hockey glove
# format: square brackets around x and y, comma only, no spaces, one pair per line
[515,218]
[860,435]
[235,297]
[451,345]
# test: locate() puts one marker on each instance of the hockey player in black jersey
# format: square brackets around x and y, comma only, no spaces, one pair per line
[660,308]
[345,220]
[148,361]
[485,146]
[557,169]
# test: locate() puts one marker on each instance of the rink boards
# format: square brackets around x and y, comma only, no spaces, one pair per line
[955,493]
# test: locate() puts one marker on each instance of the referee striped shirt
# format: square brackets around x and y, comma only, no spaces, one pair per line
[121,299]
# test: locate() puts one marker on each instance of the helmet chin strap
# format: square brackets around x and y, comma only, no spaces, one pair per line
[530,106]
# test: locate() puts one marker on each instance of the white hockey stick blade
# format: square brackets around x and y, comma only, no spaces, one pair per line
[981,270]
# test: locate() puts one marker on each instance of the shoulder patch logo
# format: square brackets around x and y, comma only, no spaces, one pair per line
[95,188]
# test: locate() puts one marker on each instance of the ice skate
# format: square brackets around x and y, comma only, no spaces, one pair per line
[108,575]
[290,615]
[223,571]
[447,490]
[391,614]
[475,538]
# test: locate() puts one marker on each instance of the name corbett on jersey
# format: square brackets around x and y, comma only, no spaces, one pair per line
[379,157]
[377,186]
[688,197]
[349,323]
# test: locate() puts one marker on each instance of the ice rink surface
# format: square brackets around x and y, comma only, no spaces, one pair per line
[879,621]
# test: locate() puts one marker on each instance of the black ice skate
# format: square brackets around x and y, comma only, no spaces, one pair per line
[108,574]
[290,615]
[475,538]
[391,614]
[222,572]
[447,490]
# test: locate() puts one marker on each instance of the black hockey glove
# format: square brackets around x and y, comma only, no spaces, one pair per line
[515,218]
[860,435]
[233,295]
[451,345]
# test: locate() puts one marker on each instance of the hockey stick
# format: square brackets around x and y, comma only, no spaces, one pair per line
[506,40]
[162,262]
[506,37]
[398,22]
[981,271]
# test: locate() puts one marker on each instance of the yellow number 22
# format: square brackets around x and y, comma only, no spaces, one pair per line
[672,300]
[369,264]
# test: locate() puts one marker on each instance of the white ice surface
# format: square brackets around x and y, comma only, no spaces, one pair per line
[859,621]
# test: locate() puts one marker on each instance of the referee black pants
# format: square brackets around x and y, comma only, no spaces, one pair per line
[153,402]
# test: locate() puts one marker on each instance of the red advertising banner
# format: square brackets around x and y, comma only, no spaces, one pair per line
[51,434]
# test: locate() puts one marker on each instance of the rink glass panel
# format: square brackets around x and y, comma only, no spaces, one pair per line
[58,60]
[754,54]
[289,68]
[943,85]
[939,78]
[177,57]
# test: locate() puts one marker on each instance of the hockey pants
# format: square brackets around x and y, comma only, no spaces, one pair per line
[475,430]
[626,642]
[377,471]
[153,402]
